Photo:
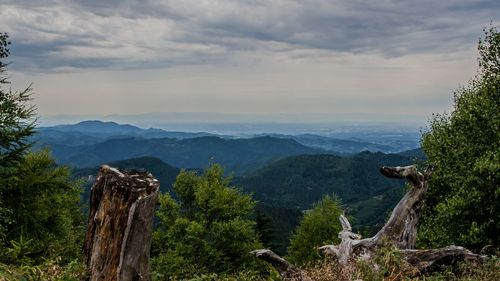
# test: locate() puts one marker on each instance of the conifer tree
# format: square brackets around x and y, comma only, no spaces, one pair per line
[207,228]
[40,216]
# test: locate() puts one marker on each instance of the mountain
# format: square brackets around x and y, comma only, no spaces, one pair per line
[302,180]
[336,145]
[93,131]
[235,155]
[342,146]
[100,127]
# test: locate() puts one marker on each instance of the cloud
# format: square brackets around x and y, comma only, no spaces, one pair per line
[61,35]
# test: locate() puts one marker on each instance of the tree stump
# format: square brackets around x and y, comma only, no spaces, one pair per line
[118,237]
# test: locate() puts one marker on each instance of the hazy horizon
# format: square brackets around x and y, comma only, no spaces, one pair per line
[361,61]
[249,126]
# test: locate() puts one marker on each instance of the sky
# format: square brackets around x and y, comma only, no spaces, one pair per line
[378,59]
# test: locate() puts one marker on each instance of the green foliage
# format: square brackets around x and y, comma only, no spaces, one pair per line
[16,125]
[464,147]
[207,230]
[489,53]
[246,275]
[49,270]
[390,266]
[17,116]
[318,227]
[39,204]
[46,218]
[4,46]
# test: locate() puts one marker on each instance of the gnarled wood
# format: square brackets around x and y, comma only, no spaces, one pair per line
[400,231]
[287,271]
[118,238]
[437,259]
[401,228]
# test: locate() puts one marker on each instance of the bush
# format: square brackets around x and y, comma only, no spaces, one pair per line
[207,230]
[319,226]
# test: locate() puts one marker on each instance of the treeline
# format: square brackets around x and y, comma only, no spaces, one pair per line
[207,227]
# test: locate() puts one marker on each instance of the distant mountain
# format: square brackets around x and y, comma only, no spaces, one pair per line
[342,146]
[236,155]
[100,127]
[49,137]
[94,131]
[336,145]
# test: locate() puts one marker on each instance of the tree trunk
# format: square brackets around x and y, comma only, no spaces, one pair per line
[400,231]
[118,238]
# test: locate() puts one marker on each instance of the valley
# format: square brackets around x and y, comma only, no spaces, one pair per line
[286,174]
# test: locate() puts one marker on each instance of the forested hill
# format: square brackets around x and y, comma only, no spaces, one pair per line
[235,155]
[289,186]
[301,180]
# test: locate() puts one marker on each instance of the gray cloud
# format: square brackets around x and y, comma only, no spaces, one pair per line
[61,35]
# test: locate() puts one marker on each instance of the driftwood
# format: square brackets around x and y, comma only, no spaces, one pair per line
[400,231]
[431,260]
[118,237]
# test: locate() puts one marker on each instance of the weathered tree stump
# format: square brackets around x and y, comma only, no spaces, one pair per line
[400,231]
[118,238]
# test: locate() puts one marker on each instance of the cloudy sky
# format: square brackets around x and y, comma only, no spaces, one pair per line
[94,57]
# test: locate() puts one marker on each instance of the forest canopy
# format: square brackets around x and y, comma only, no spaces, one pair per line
[464,148]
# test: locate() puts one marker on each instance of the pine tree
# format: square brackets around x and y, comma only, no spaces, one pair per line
[208,229]
[40,216]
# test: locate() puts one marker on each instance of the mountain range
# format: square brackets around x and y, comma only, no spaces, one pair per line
[286,174]
[91,143]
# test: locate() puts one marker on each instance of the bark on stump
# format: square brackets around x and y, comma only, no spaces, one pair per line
[118,238]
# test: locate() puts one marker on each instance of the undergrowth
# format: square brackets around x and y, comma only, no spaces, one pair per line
[389,267]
